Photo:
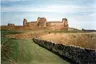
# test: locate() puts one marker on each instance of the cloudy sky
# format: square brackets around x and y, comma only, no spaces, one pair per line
[80,13]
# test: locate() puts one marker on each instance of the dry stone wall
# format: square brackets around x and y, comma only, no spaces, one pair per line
[76,54]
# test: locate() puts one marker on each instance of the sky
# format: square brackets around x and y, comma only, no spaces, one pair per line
[80,13]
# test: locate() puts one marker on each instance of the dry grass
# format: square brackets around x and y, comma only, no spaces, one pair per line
[85,40]
[28,35]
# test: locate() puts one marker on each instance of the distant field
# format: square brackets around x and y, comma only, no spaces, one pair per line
[24,51]
[29,34]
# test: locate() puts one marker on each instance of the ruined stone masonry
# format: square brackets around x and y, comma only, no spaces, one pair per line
[42,22]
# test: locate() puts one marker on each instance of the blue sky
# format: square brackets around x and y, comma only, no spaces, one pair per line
[80,13]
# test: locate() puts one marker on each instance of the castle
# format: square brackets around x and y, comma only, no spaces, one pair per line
[43,23]
[40,23]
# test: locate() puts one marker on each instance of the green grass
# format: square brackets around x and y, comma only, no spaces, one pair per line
[6,32]
[23,51]
[31,53]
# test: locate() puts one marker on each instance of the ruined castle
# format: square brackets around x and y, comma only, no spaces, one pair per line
[43,23]
[40,23]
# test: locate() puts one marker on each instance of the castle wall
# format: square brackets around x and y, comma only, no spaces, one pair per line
[55,23]
[42,22]
[33,23]
[11,25]
[59,27]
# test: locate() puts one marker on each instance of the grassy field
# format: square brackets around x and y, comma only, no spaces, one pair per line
[22,50]
[25,51]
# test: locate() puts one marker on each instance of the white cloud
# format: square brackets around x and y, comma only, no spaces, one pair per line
[81,16]
[50,8]
[94,14]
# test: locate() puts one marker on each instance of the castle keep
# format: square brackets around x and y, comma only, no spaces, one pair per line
[43,23]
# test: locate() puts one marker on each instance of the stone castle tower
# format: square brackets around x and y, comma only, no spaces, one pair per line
[65,22]
[24,22]
[41,22]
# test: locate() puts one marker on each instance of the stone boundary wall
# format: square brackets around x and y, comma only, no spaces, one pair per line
[77,54]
